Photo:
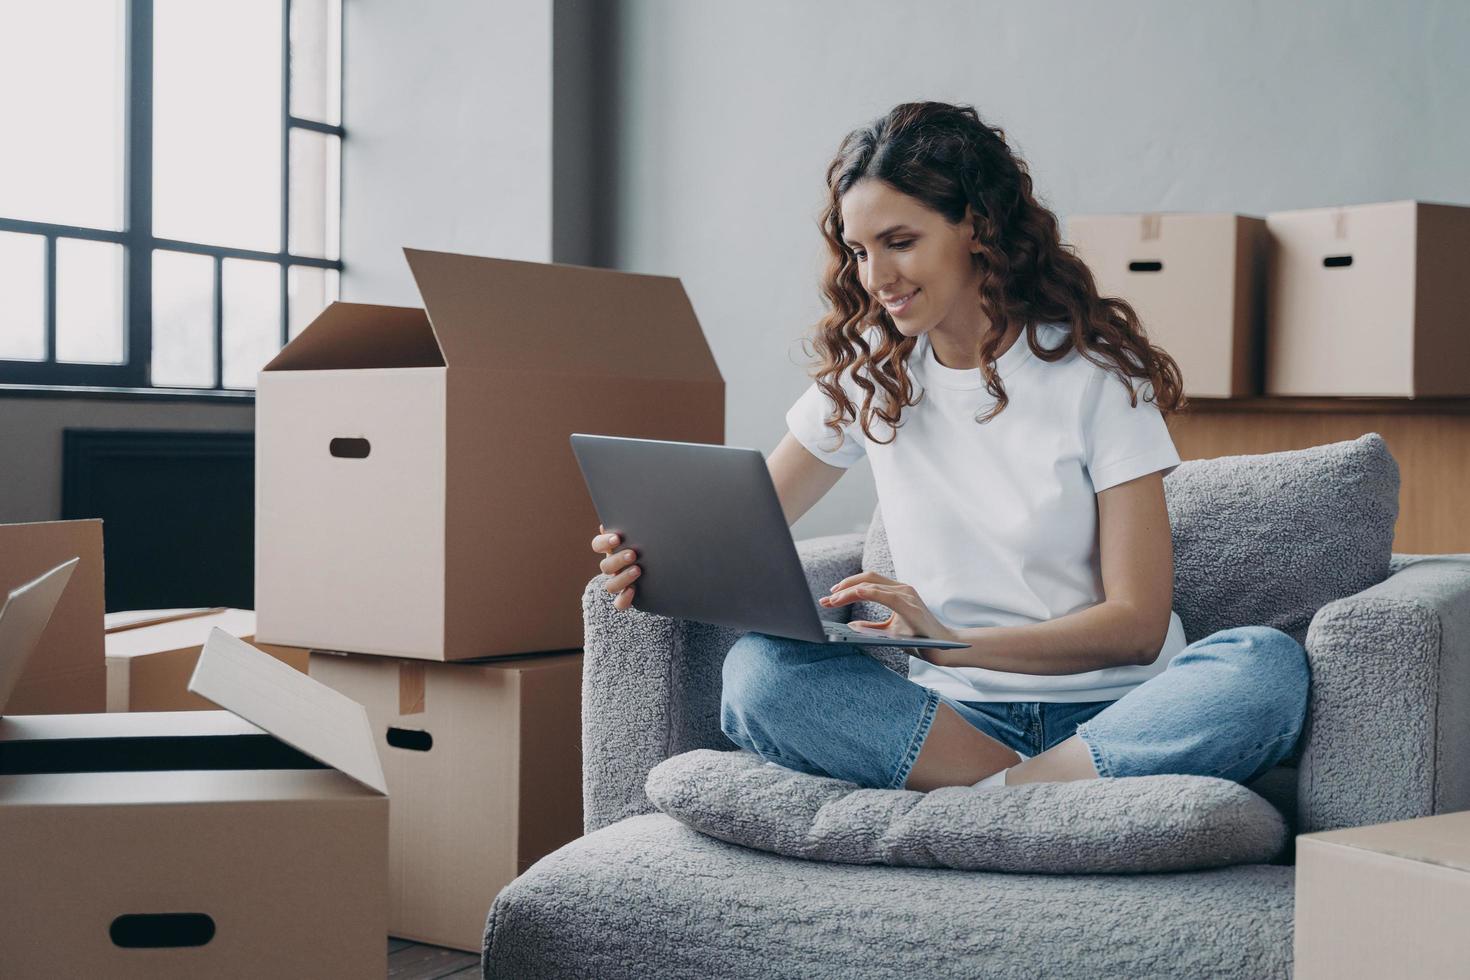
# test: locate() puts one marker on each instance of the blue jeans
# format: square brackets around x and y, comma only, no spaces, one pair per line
[1230,705]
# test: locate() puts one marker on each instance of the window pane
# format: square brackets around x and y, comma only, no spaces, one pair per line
[22,297]
[183,320]
[316,60]
[89,309]
[61,111]
[252,319]
[217,122]
[310,292]
[315,199]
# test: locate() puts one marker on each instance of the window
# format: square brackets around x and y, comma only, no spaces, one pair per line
[170,187]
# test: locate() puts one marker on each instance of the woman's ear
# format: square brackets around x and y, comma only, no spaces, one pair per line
[969,222]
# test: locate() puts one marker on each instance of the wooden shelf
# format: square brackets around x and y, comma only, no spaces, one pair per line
[1429,438]
[1332,406]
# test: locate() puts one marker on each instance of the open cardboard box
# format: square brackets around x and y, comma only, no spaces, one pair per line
[249,842]
[1388,900]
[1197,282]
[150,660]
[484,769]
[416,494]
[66,672]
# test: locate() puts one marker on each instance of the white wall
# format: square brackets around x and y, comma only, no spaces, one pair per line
[447,107]
[729,113]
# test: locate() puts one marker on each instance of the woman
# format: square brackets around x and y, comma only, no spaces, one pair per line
[1013,419]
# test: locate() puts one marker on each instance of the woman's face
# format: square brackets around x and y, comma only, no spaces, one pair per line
[918,266]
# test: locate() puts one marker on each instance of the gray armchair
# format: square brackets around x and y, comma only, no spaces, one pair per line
[1387,738]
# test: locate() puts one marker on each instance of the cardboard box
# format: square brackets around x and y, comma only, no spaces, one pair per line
[1369,300]
[416,495]
[1390,900]
[192,844]
[66,673]
[484,771]
[149,663]
[1197,282]
[116,622]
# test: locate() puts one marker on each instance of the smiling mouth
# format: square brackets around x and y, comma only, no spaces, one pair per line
[900,302]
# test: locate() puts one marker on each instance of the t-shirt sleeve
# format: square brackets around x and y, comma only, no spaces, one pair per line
[1122,442]
[807,421]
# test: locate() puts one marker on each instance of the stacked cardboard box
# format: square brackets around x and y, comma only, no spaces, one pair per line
[1365,300]
[250,841]
[423,528]
[1197,283]
[1370,300]
[484,769]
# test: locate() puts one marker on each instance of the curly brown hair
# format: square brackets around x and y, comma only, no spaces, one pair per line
[947,158]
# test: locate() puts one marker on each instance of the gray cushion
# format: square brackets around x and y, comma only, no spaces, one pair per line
[1147,823]
[1262,540]
[648,897]
[1270,539]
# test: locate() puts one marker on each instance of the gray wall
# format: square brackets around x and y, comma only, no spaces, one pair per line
[31,437]
[729,113]
[447,107]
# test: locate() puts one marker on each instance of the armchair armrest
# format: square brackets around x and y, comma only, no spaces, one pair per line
[1388,722]
[651,685]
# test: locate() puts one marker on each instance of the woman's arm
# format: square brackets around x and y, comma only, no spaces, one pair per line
[1127,627]
[801,478]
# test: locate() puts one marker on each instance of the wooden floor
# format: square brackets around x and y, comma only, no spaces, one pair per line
[415,961]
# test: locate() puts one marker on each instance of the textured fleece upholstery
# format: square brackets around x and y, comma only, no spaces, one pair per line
[1388,718]
[1268,540]
[648,897]
[1387,737]
[651,685]
[1149,823]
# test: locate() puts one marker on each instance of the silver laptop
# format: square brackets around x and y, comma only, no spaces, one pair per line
[711,539]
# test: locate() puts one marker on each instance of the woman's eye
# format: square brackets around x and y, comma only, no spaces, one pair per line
[901,244]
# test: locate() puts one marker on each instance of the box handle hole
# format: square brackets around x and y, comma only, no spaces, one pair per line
[409,738]
[169,930]
[350,448]
[1145,267]
[1338,261]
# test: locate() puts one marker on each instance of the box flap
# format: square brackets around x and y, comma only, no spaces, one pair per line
[23,619]
[536,317]
[1442,840]
[124,724]
[116,622]
[358,335]
[179,634]
[299,711]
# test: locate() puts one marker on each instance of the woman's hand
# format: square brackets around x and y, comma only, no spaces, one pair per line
[618,564]
[910,616]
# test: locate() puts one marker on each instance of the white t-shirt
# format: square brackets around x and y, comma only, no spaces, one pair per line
[996,524]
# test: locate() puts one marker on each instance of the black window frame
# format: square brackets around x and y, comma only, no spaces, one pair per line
[139,242]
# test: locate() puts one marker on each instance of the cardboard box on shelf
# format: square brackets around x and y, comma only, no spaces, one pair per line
[1369,300]
[1390,900]
[246,842]
[66,674]
[1197,282]
[149,663]
[483,763]
[414,481]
